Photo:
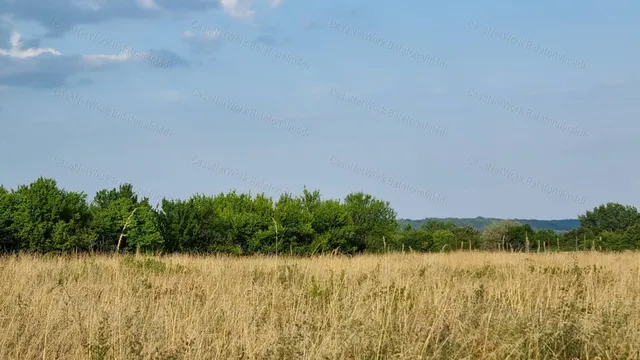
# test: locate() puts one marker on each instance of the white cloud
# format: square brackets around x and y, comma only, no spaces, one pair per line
[77,12]
[275,3]
[25,62]
[148,4]
[238,8]
[102,59]
[212,35]
[93,5]
[203,41]
[16,51]
[48,67]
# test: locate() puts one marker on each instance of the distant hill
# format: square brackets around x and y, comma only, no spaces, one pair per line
[480,222]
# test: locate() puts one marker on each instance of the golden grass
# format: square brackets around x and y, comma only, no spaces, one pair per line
[414,306]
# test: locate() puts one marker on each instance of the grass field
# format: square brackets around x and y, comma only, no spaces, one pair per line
[413,306]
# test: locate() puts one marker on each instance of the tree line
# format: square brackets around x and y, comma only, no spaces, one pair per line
[44,218]
[480,222]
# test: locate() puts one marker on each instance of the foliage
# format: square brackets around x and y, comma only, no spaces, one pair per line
[374,221]
[414,239]
[47,219]
[499,234]
[41,217]
[444,240]
[8,242]
[480,223]
[611,217]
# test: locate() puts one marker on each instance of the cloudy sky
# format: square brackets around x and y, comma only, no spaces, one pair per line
[498,108]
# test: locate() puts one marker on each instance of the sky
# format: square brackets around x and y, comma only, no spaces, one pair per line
[496,108]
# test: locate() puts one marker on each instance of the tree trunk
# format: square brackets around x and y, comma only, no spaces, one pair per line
[123,229]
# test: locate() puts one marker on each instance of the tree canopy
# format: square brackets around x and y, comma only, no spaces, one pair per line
[42,217]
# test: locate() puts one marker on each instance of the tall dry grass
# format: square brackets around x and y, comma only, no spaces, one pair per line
[439,306]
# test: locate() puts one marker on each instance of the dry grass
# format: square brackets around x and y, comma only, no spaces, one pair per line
[441,306]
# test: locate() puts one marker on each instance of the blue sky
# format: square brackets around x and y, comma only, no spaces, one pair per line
[499,108]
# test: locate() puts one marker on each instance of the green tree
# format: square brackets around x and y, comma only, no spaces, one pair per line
[46,218]
[444,240]
[144,231]
[414,239]
[176,222]
[8,242]
[610,241]
[240,216]
[498,232]
[374,221]
[294,226]
[264,216]
[467,234]
[332,225]
[578,239]
[517,234]
[611,217]
[110,210]
[119,219]
[433,225]
[632,236]
[545,236]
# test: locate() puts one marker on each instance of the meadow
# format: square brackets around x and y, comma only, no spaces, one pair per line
[458,305]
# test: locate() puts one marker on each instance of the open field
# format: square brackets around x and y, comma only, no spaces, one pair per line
[433,306]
